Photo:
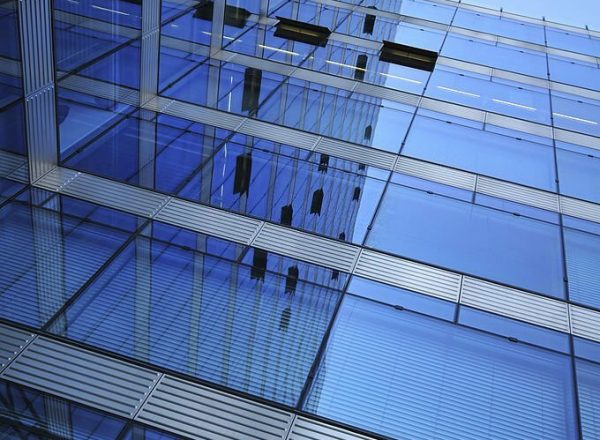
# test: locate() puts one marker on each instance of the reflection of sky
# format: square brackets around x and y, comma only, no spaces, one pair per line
[576,12]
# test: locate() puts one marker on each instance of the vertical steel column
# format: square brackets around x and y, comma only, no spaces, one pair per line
[216,36]
[35,26]
[150,50]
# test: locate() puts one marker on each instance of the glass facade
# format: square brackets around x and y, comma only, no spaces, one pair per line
[297,219]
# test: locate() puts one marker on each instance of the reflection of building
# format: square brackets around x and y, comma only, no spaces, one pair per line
[347,221]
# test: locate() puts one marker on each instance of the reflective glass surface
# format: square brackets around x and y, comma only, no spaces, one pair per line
[469,238]
[236,325]
[385,370]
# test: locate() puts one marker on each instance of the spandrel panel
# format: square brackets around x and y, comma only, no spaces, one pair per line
[121,67]
[30,414]
[481,152]
[12,128]
[8,188]
[579,172]
[230,324]
[582,254]
[384,370]
[496,55]
[46,257]
[116,12]
[519,102]
[458,235]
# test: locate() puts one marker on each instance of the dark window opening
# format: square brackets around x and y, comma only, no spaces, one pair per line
[291,281]
[286,317]
[251,94]
[342,236]
[317,202]
[243,172]
[368,132]
[259,265]
[361,67]
[356,194]
[408,56]
[303,32]
[369,24]
[287,213]
[335,274]
[323,162]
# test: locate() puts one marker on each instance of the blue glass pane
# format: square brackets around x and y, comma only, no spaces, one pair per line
[12,128]
[510,328]
[9,43]
[46,257]
[579,174]
[583,260]
[573,113]
[588,379]
[576,73]
[587,349]
[395,296]
[8,188]
[234,325]
[140,432]
[29,414]
[569,41]
[409,376]
[499,25]
[481,152]
[481,241]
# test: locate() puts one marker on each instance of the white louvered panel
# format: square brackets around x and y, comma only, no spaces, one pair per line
[21,174]
[355,41]
[519,125]
[198,412]
[206,220]
[577,138]
[386,93]
[201,114]
[580,209]
[452,109]
[408,275]
[325,79]
[585,322]
[424,23]
[279,134]
[522,44]
[12,341]
[305,429]
[473,34]
[307,247]
[525,79]
[83,376]
[470,67]
[257,63]
[104,192]
[517,193]
[574,90]
[515,304]
[571,55]
[435,173]
[356,153]
[57,178]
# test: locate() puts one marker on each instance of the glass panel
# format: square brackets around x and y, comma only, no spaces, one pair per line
[578,73]
[481,152]
[576,114]
[519,102]
[579,173]
[231,324]
[496,55]
[48,253]
[498,25]
[583,260]
[481,241]
[588,379]
[573,42]
[385,370]
[29,414]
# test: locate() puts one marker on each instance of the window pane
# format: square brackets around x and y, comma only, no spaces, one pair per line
[481,241]
[409,376]
[583,260]
[588,379]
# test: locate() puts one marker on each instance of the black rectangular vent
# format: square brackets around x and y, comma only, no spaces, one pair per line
[323,163]
[369,24]
[236,17]
[251,94]
[291,281]
[243,171]
[300,31]
[408,56]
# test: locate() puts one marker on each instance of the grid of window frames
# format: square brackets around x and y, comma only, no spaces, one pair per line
[217,105]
